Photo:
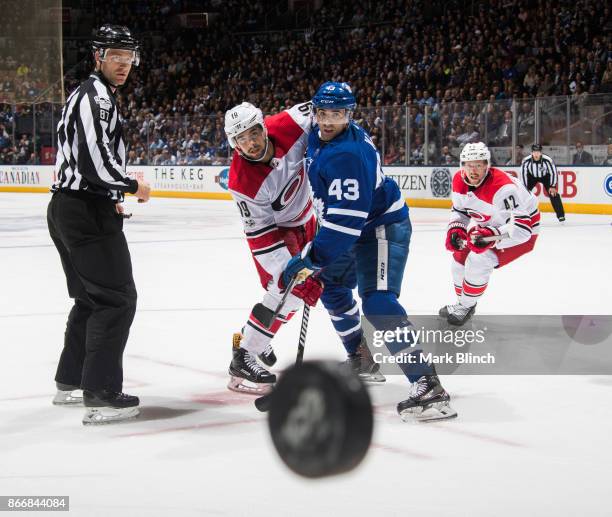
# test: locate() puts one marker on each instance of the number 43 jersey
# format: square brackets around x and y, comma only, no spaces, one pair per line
[500,201]
[351,194]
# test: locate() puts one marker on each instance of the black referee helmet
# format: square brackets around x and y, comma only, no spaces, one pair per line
[117,37]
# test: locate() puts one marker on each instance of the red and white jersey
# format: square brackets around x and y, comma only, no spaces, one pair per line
[277,194]
[500,201]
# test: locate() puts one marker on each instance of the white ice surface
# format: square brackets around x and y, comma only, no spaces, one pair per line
[521,446]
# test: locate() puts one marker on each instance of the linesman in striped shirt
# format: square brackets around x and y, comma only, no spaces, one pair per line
[85,219]
[540,168]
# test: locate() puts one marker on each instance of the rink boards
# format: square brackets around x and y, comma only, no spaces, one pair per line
[586,190]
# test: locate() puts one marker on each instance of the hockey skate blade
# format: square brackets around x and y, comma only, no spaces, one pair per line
[68,398]
[240,385]
[108,415]
[372,378]
[433,412]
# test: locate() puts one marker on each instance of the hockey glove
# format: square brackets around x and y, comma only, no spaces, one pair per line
[475,238]
[456,236]
[299,265]
[309,290]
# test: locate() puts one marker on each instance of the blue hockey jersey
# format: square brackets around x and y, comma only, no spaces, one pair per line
[351,193]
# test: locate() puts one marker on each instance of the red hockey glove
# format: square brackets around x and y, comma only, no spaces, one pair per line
[475,236]
[456,236]
[309,290]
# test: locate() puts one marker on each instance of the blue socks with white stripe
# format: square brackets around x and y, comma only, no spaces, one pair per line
[384,312]
[347,323]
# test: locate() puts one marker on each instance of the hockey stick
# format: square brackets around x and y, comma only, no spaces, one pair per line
[263,403]
[266,318]
[491,238]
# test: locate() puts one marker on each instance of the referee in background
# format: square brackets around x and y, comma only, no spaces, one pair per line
[85,219]
[540,168]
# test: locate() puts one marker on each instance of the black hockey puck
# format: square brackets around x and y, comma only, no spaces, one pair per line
[320,419]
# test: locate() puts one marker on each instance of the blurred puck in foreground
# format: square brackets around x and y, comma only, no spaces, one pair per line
[320,419]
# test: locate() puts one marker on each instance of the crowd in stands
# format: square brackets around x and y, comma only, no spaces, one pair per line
[450,72]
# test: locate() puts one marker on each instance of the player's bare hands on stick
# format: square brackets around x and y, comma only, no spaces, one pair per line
[552,191]
[144,191]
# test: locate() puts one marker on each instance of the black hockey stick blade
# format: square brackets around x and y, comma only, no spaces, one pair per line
[264,402]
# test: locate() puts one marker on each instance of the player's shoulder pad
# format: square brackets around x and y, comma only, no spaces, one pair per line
[345,162]
[285,128]
[498,183]
[302,114]
[246,178]
[459,186]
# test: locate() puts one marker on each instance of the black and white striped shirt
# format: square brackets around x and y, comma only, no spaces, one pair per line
[90,147]
[543,167]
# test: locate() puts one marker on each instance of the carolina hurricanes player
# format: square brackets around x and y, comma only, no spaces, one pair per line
[491,205]
[268,182]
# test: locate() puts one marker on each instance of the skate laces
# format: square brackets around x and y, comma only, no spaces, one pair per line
[268,350]
[459,309]
[419,387]
[252,363]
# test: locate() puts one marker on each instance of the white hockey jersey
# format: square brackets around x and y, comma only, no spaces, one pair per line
[277,194]
[500,201]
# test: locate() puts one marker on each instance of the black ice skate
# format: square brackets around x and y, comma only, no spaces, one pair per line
[363,364]
[268,357]
[105,406]
[68,395]
[457,314]
[429,401]
[246,375]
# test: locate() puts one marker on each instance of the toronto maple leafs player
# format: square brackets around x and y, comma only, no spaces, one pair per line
[362,242]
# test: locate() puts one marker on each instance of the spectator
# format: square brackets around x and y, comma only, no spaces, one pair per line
[582,157]
[504,133]
[608,160]
[165,158]
[392,156]
[520,155]
[447,158]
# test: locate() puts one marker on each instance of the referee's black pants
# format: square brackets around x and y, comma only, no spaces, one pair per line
[88,234]
[555,201]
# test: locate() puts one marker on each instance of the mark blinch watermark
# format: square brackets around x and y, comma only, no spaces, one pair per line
[494,345]
[409,338]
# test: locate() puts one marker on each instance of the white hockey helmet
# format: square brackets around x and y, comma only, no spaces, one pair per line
[240,118]
[474,152]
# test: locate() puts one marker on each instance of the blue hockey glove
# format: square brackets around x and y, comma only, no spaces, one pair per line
[299,265]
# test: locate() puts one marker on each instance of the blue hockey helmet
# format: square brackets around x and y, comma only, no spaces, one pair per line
[333,95]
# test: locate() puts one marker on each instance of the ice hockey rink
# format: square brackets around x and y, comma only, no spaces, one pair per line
[522,445]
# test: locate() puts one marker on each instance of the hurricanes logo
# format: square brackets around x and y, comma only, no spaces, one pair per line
[477,216]
[289,192]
